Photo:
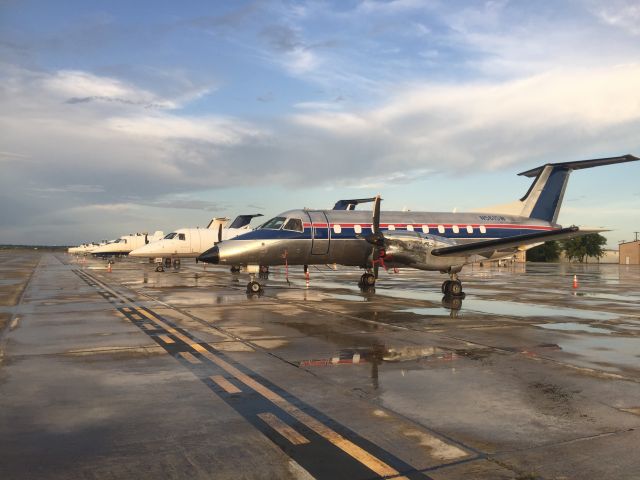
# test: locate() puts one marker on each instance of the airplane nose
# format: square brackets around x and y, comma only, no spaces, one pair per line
[210,256]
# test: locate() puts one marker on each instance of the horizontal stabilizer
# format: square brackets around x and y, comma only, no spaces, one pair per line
[580,164]
[351,204]
[489,246]
[243,220]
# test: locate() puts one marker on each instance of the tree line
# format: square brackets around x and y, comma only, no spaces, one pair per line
[575,249]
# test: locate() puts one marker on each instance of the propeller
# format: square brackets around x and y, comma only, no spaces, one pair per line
[376,238]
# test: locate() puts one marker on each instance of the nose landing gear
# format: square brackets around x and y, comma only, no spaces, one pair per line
[367,280]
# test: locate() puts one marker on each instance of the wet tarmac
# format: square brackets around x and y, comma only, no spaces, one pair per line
[140,374]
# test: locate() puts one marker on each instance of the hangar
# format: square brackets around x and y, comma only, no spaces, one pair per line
[630,253]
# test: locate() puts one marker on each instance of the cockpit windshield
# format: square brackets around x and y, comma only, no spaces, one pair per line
[294,224]
[274,223]
[170,236]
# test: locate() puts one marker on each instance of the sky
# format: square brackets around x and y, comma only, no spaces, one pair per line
[123,116]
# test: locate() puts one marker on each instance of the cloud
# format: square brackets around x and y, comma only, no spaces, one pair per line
[620,14]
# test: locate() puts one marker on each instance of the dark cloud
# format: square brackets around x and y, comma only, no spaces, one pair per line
[282,38]
[124,101]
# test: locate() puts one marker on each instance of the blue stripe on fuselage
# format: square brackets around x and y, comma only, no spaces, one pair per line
[348,233]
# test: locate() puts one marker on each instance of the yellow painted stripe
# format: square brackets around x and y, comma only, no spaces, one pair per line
[188,356]
[338,440]
[166,339]
[149,326]
[361,455]
[226,384]
[283,429]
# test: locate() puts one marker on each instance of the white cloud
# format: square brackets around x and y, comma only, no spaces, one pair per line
[621,14]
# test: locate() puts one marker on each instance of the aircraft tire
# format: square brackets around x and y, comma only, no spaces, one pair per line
[455,288]
[446,287]
[367,280]
[254,287]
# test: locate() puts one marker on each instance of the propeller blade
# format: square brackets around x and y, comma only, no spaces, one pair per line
[219,233]
[375,224]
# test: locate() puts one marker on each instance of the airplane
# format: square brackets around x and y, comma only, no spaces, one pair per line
[126,244]
[85,248]
[191,242]
[433,241]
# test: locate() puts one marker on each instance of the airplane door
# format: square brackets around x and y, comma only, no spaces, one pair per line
[320,233]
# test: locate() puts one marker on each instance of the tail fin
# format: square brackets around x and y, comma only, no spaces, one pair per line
[544,197]
[213,224]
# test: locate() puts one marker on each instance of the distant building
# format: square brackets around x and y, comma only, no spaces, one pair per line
[630,253]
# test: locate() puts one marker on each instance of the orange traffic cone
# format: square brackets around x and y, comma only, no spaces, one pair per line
[109,267]
[575,281]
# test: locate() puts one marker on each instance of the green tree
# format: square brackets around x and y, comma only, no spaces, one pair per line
[580,248]
[547,252]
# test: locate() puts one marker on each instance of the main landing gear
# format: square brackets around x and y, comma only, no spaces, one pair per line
[453,287]
[166,263]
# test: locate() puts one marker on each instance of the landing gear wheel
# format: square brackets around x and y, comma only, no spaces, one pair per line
[367,280]
[452,288]
[455,288]
[160,268]
[235,269]
[254,287]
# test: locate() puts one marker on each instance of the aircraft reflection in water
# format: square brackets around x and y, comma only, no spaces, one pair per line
[442,242]
[379,354]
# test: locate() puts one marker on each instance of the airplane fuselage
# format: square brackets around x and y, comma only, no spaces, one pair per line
[329,236]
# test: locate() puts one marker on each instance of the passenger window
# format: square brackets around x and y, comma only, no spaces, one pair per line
[425,228]
[410,228]
[469,229]
[181,236]
[357,228]
[294,224]
[483,229]
[440,228]
[337,229]
[455,229]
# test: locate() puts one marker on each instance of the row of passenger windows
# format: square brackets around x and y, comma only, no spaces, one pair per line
[425,228]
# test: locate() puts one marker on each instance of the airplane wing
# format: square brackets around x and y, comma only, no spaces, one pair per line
[490,246]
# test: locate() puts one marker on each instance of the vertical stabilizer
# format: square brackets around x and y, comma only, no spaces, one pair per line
[544,197]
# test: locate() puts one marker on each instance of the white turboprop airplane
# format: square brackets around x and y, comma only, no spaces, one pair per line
[126,244]
[191,242]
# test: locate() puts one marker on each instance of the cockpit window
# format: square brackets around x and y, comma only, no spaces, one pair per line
[294,224]
[274,223]
[181,236]
[170,236]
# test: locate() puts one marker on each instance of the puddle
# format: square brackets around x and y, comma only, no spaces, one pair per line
[604,353]
[513,309]
[608,296]
[573,327]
